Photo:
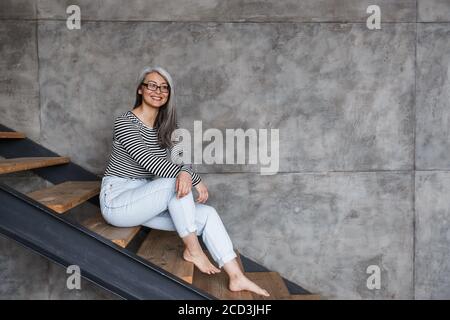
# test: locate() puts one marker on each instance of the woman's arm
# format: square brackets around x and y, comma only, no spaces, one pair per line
[176,152]
[176,156]
[128,135]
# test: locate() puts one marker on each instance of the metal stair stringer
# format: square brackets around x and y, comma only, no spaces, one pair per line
[101,261]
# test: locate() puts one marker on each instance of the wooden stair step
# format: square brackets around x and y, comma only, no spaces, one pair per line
[272,282]
[22,164]
[275,285]
[11,135]
[67,195]
[120,236]
[165,249]
[217,284]
[303,297]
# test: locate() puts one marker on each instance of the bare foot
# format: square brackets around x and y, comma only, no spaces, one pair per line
[243,283]
[201,261]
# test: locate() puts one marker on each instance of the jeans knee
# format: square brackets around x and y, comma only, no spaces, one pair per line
[211,215]
[203,214]
[212,212]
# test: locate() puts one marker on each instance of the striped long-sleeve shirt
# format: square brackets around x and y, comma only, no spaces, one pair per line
[136,152]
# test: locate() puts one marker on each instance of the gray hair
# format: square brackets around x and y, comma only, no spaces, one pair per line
[166,120]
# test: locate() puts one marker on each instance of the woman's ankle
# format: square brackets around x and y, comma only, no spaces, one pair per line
[233,269]
[234,275]
[194,252]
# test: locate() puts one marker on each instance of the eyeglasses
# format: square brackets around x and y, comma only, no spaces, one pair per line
[164,88]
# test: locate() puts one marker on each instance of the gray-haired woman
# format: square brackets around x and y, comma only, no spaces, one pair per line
[141,186]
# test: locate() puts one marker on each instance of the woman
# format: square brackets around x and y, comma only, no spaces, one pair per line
[142,187]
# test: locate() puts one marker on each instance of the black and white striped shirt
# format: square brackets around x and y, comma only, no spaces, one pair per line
[136,152]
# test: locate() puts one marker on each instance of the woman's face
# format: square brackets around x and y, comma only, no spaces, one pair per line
[156,98]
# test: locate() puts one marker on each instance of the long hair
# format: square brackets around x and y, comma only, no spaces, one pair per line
[166,120]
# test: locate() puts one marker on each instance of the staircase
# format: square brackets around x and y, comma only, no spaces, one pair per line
[135,263]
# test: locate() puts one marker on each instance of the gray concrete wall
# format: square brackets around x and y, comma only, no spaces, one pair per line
[363,118]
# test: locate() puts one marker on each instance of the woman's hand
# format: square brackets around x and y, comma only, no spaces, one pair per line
[202,192]
[183,184]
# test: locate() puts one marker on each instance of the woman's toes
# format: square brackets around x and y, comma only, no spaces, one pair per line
[244,283]
[201,261]
[265,293]
[214,270]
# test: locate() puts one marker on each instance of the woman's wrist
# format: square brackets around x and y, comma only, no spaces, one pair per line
[187,169]
[194,176]
[184,171]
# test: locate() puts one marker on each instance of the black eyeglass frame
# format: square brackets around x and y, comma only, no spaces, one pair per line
[157,87]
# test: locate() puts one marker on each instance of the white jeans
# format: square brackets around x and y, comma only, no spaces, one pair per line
[153,203]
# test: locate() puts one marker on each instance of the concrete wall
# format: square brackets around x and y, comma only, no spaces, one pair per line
[363,118]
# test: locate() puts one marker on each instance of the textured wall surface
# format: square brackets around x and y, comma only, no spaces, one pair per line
[19,83]
[433,11]
[322,82]
[433,235]
[363,118]
[331,226]
[433,94]
[432,269]
[234,10]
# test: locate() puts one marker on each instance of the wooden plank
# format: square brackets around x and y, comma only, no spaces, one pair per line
[165,249]
[22,164]
[11,135]
[272,282]
[217,284]
[120,236]
[67,195]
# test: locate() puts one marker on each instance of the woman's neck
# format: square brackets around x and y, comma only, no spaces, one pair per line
[147,114]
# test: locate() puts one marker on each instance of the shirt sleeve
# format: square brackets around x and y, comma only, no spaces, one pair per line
[176,152]
[128,135]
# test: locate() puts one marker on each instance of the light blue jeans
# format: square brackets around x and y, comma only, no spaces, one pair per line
[153,203]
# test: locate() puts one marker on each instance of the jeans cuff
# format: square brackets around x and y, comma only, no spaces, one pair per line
[226,258]
[187,231]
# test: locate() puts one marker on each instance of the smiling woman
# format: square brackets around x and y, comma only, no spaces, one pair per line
[142,185]
[161,111]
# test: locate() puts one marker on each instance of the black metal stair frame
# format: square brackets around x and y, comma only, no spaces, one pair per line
[101,261]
